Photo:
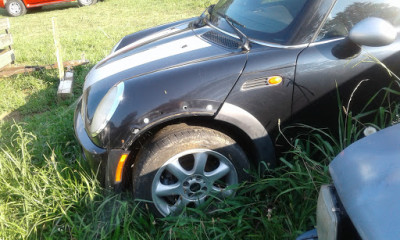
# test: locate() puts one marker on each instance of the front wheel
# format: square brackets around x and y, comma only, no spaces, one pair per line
[83,3]
[182,166]
[15,8]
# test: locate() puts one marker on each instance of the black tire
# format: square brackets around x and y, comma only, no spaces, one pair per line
[224,164]
[15,8]
[83,3]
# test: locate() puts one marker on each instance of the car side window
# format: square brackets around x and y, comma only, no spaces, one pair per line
[346,13]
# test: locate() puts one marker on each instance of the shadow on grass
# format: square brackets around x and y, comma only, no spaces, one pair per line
[43,114]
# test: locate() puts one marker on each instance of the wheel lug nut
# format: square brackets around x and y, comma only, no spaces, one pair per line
[204,189]
[185,184]
[198,178]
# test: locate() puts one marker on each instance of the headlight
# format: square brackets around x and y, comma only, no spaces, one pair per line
[327,214]
[106,109]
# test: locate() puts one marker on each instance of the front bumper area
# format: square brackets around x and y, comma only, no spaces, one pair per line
[333,223]
[104,162]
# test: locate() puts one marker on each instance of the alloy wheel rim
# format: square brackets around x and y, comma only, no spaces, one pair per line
[189,178]
[15,8]
[86,2]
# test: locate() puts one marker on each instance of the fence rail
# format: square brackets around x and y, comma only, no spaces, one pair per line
[7,55]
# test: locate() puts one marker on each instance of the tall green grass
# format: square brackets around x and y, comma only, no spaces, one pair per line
[56,199]
[35,198]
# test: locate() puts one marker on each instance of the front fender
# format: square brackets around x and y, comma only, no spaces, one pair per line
[195,89]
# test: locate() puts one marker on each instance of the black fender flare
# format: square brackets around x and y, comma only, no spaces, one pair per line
[250,125]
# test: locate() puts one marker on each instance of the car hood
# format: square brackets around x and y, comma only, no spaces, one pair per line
[367,178]
[172,47]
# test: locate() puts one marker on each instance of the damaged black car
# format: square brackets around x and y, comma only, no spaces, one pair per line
[180,112]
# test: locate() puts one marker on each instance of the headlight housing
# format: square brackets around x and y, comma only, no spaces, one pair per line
[106,109]
[327,214]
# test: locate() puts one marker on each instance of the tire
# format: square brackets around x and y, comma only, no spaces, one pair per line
[15,8]
[83,3]
[182,166]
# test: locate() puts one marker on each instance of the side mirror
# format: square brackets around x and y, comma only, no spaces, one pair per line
[373,32]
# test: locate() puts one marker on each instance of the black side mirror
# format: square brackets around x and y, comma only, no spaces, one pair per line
[373,32]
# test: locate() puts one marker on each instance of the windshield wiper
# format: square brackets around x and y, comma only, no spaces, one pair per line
[243,37]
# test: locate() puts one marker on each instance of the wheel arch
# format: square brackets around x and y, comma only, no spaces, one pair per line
[253,129]
[5,2]
[231,120]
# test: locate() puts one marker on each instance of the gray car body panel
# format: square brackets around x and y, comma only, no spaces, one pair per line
[367,178]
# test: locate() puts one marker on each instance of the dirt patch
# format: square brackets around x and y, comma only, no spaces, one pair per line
[15,115]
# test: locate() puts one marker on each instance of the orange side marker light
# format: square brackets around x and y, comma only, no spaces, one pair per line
[121,163]
[274,80]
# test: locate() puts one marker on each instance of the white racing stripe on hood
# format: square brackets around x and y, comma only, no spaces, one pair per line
[181,46]
[150,38]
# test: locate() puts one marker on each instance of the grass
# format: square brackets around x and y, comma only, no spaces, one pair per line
[47,191]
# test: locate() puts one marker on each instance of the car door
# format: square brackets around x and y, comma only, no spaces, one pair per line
[269,102]
[27,2]
[329,66]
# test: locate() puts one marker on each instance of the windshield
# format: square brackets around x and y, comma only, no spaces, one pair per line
[265,20]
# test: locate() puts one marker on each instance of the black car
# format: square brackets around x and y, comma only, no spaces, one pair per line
[181,111]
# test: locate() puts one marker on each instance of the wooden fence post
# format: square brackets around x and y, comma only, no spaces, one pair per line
[7,55]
